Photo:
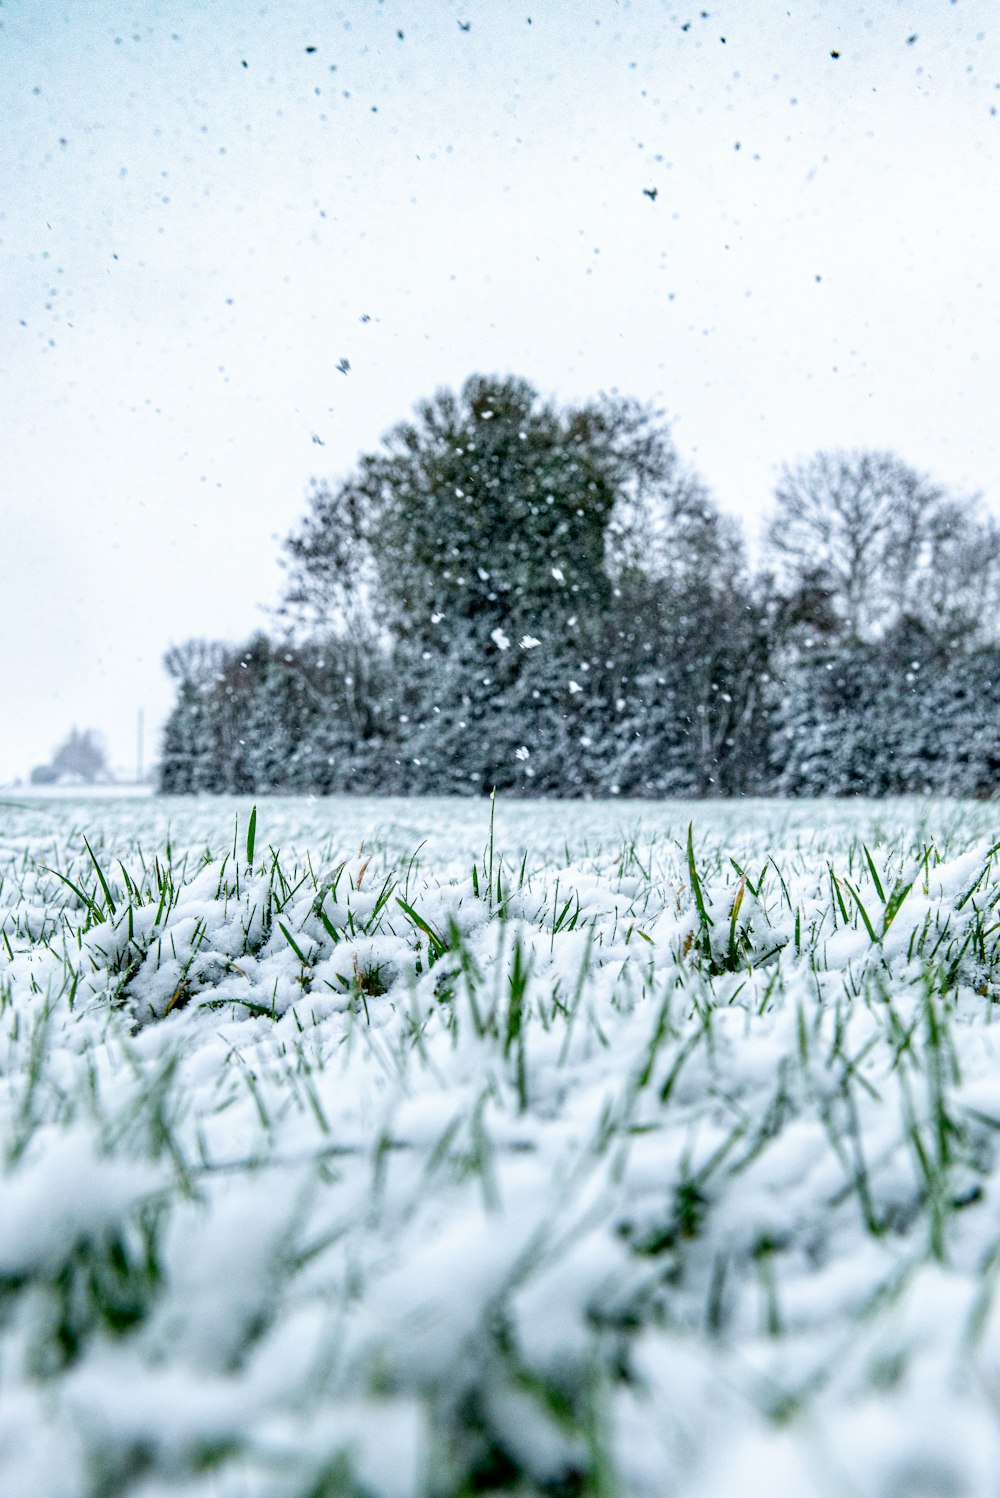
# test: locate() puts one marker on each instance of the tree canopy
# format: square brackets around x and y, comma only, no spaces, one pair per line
[516,594]
[490,505]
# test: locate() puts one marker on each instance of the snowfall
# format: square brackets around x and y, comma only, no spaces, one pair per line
[425,1148]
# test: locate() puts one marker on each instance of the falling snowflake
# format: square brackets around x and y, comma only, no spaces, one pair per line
[500,640]
[528,642]
[522,753]
[575,687]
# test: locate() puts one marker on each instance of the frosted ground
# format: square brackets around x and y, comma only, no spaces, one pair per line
[353,1149]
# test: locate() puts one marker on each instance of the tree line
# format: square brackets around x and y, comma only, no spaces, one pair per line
[547,601]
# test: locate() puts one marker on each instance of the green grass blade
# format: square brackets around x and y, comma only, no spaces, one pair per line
[874,873]
[704,919]
[437,942]
[861,910]
[292,943]
[100,875]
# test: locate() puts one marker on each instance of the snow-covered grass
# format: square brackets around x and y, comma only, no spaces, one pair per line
[377,1148]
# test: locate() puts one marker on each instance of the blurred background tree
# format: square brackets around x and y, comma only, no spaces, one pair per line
[544,599]
[81,757]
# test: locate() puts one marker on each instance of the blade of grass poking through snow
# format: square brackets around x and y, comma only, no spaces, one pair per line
[328,925]
[251,834]
[704,919]
[781,880]
[489,872]
[83,898]
[737,902]
[961,903]
[895,901]
[838,898]
[436,943]
[742,874]
[861,910]
[874,873]
[292,943]
[520,967]
[389,884]
[100,876]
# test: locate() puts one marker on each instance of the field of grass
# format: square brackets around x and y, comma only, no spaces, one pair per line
[405,1150]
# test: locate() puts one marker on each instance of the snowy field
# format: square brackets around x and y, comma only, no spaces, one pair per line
[365,1148]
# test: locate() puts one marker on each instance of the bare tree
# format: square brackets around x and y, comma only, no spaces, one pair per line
[197,662]
[881,545]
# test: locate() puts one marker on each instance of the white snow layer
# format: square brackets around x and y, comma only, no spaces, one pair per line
[536,1160]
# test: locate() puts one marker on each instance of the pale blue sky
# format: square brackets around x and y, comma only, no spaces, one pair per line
[190,245]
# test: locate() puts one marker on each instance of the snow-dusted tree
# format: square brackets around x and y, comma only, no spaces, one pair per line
[190,757]
[687,657]
[270,716]
[477,545]
[542,599]
[958,726]
[842,723]
[885,581]
[863,542]
[491,506]
[871,720]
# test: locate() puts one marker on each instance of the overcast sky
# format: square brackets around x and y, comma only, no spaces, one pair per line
[207,205]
